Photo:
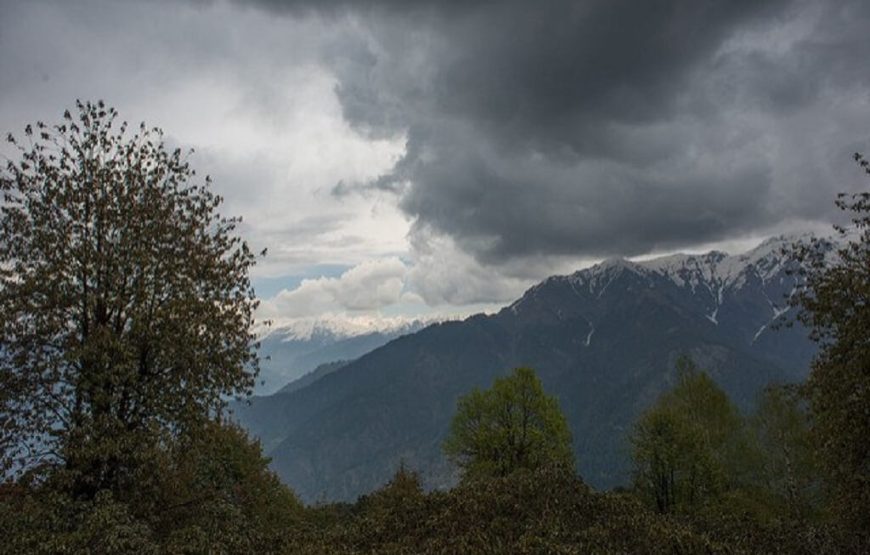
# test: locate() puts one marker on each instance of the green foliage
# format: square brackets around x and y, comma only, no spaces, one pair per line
[752,484]
[217,493]
[835,307]
[386,517]
[788,471]
[511,426]
[688,447]
[211,493]
[125,302]
[47,522]
[125,317]
[744,533]
[545,510]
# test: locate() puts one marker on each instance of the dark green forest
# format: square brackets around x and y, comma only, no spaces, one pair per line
[126,311]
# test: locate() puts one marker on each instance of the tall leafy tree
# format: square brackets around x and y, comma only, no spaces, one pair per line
[125,301]
[836,307]
[686,446]
[788,474]
[513,425]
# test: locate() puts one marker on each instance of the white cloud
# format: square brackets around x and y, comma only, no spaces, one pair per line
[443,274]
[386,293]
[367,287]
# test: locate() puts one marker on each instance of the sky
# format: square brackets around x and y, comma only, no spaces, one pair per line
[404,159]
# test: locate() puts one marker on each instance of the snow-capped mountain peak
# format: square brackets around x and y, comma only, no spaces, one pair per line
[714,270]
[716,286]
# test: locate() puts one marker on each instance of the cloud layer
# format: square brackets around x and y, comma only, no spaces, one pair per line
[605,127]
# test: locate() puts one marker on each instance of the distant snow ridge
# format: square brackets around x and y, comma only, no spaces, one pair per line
[344,327]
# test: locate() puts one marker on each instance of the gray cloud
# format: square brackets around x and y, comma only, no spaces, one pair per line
[607,127]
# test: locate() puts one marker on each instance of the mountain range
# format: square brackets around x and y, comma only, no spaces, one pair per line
[288,353]
[603,340]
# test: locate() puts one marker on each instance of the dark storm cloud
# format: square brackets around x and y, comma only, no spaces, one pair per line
[606,127]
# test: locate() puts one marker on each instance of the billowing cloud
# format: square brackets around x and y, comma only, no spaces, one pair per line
[381,292]
[371,285]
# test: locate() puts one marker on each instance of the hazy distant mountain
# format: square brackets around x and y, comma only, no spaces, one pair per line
[603,340]
[314,375]
[288,353]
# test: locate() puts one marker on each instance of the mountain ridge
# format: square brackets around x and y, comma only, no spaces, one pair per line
[288,353]
[603,340]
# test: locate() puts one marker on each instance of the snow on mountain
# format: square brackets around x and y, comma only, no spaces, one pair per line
[344,327]
[713,272]
[719,270]
[291,350]
[714,285]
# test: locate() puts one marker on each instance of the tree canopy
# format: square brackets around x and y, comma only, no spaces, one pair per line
[788,467]
[685,446]
[836,307]
[125,325]
[125,301]
[513,425]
